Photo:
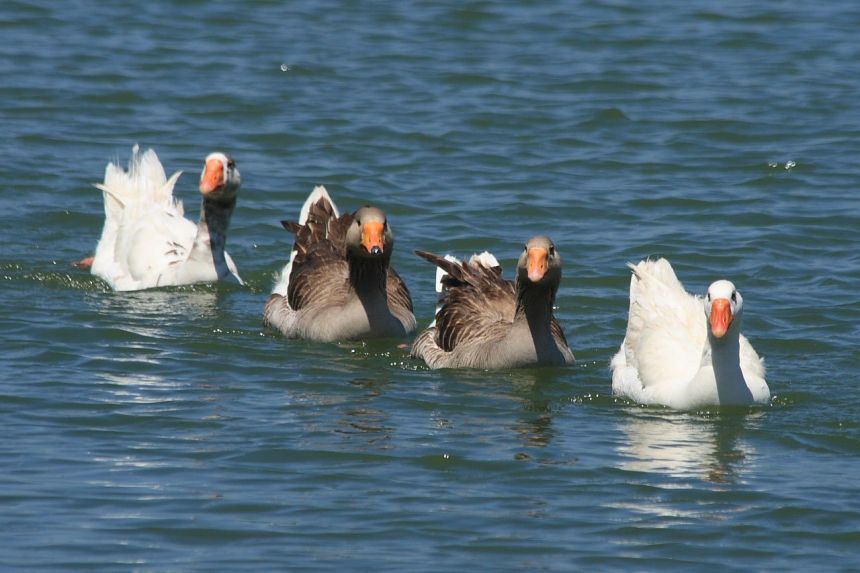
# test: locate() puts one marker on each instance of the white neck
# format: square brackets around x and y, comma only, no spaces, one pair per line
[725,360]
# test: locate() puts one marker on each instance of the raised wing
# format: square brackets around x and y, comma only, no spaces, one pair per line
[666,328]
[477,303]
[319,269]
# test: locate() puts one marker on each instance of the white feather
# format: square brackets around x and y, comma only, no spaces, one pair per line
[485,259]
[145,234]
[667,357]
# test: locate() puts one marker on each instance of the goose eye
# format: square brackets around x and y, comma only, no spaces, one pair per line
[552,250]
[709,296]
[231,164]
[734,296]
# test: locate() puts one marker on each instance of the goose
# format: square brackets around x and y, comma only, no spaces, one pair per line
[685,351]
[146,240]
[338,283]
[487,322]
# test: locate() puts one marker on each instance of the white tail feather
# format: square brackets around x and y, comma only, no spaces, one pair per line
[143,183]
[318,193]
[485,259]
[660,273]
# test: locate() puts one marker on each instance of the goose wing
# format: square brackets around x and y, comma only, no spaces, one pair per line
[666,326]
[319,271]
[477,303]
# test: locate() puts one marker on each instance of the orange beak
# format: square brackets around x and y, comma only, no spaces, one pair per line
[372,234]
[538,263]
[721,317]
[213,176]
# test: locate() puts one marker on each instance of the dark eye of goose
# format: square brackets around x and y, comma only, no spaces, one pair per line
[734,296]
[552,250]
[231,164]
[709,296]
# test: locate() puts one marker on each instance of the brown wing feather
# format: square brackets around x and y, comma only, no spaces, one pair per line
[398,294]
[557,332]
[477,303]
[320,271]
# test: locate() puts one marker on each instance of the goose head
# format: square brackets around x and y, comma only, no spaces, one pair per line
[369,236]
[220,178]
[539,264]
[724,308]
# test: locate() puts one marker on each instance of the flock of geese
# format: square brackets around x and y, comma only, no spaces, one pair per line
[679,350]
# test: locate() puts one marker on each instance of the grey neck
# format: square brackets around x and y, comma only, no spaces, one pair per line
[530,340]
[367,276]
[367,279]
[212,232]
[534,304]
[534,308]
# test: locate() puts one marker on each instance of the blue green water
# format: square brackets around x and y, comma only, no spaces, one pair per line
[167,431]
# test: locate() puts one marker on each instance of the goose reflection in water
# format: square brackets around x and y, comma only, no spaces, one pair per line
[687,445]
[534,424]
[178,304]
[360,418]
[135,333]
[156,314]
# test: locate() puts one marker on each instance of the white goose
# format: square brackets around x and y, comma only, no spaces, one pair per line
[684,351]
[147,241]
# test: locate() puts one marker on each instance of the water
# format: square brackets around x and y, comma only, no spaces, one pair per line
[165,430]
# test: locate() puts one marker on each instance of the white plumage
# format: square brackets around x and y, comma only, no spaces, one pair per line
[147,241]
[682,350]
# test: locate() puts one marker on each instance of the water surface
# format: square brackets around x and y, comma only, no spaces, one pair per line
[166,430]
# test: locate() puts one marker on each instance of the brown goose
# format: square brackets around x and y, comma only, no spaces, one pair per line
[338,284]
[488,322]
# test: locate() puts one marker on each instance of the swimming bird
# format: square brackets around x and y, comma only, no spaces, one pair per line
[338,283]
[685,351]
[485,321]
[147,241]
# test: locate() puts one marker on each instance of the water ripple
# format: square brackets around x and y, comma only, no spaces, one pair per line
[169,430]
